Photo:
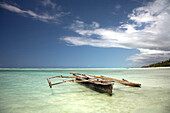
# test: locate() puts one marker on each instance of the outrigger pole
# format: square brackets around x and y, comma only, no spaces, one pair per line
[74,80]
[124,82]
[60,76]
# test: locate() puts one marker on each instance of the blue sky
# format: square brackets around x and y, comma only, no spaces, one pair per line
[84,33]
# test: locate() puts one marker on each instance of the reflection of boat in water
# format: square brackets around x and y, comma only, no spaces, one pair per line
[98,83]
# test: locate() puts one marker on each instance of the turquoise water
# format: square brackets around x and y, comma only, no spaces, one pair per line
[27,91]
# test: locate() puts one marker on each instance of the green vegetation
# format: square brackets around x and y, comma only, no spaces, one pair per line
[160,64]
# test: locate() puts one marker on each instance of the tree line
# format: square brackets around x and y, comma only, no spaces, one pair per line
[160,64]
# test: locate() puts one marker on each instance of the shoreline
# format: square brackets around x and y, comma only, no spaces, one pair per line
[156,67]
[29,69]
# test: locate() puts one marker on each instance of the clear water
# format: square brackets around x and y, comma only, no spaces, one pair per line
[27,91]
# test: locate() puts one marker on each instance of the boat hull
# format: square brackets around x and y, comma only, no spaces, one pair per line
[102,88]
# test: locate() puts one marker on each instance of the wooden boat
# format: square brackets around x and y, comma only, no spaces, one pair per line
[102,87]
[98,83]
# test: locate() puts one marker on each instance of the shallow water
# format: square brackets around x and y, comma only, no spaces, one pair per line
[27,91]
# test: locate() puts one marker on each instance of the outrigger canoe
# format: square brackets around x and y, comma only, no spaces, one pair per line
[98,83]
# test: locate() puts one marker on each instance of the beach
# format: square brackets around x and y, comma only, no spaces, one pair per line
[27,91]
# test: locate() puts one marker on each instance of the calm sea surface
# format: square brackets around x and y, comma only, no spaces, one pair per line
[27,91]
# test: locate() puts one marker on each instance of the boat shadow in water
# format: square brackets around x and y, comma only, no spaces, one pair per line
[122,89]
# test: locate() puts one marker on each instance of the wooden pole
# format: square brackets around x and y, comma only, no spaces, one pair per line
[116,80]
[60,76]
[49,82]
[73,80]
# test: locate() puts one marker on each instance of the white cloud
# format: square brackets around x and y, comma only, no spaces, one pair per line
[148,56]
[45,17]
[49,3]
[149,33]
[95,25]
[78,24]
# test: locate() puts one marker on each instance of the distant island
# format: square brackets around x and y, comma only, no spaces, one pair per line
[159,64]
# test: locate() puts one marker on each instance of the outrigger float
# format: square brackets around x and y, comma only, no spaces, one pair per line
[98,83]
